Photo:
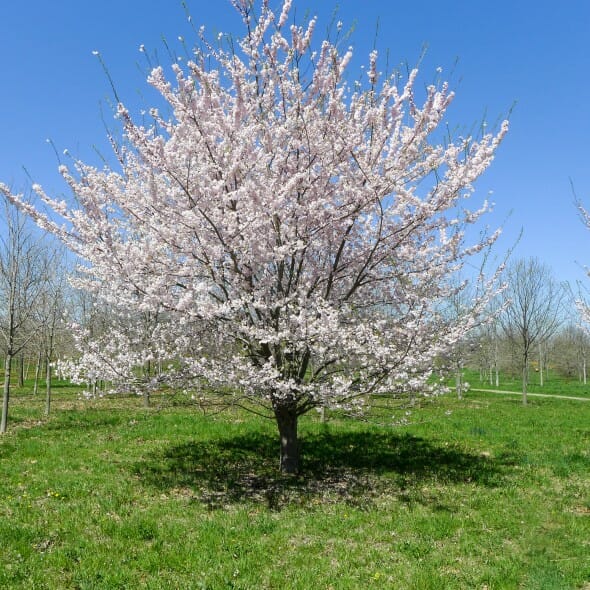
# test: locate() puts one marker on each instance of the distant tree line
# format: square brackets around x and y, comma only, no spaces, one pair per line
[35,301]
[533,331]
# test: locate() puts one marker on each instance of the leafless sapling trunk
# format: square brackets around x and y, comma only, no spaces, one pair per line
[533,309]
[22,274]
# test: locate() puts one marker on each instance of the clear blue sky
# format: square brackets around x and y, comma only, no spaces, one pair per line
[532,52]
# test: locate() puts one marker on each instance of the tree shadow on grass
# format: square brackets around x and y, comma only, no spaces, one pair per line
[352,467]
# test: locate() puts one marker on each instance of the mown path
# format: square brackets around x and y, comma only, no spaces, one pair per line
[554,395]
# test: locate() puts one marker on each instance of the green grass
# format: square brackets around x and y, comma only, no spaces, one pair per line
[479,493]
[554,384]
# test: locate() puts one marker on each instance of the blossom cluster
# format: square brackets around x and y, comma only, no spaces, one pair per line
[294,234]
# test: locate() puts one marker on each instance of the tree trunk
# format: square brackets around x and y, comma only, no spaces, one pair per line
[37,372]
[147,371]
[21,370]
[496,370]
[6,395]
[459,383]
[525,379]
[47,387]
[286,417]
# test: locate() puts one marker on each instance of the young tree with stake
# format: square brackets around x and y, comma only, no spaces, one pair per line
[297,232]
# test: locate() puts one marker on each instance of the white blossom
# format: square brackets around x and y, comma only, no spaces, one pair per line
[294,235]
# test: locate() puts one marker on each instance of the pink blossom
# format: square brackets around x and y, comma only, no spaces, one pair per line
[293,236]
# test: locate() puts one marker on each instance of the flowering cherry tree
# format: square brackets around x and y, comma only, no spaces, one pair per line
[296,233]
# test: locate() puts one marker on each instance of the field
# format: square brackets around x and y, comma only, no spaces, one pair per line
[554,384]
[481,493]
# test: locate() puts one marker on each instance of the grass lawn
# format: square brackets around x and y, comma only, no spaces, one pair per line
[481,493]
[553,384]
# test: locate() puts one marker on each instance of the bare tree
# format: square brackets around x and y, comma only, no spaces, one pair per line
[50,312]
[533,309]
[489,347]
[572,348]
[459,304]
[22,274]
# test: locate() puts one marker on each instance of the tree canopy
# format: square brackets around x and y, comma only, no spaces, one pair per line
[294,232]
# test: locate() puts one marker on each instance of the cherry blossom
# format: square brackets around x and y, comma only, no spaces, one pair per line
[295,233]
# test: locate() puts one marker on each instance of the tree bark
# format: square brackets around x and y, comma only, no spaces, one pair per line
[496,370]
[47,387]
[286,417]
[146,393]
[6,395]
[21,370]
[459,383]
[38,372]
[525,379]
